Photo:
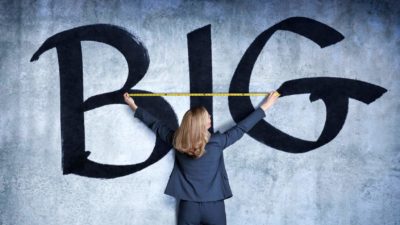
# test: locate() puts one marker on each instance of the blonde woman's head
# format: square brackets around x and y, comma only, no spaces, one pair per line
[192,135]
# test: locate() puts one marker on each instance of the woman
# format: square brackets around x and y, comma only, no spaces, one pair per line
[199,179]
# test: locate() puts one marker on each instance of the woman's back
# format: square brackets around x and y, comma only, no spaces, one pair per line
[205,165]
[202,179]
[205,178]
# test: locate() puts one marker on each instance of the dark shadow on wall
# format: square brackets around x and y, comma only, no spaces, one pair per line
[333,91]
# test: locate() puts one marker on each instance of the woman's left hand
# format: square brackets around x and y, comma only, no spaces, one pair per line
[129,101]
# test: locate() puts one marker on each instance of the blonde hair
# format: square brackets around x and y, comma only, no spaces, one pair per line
[192,135]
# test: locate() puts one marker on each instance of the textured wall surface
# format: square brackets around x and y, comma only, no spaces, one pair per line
[353,179]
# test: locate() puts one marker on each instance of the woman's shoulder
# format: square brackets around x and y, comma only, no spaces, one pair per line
[215,137]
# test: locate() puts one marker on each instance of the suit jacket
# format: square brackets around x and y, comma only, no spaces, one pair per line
[205,178]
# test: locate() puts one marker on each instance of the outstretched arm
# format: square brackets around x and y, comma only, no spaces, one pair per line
[158,126]
[235,133]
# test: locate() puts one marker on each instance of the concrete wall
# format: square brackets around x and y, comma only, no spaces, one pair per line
[353,179]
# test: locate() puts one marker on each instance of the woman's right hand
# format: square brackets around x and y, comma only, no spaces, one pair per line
[272,97]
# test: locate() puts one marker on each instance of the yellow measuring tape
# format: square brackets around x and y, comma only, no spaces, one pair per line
[201,94]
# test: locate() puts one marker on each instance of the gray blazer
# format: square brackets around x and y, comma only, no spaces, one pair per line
[203,179]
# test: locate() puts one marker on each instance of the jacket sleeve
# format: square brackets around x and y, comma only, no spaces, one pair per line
[236,132]
[158,126]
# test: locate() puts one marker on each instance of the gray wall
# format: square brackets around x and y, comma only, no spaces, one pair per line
[354,179]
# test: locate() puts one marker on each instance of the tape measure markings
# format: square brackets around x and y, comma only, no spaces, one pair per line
[200,94]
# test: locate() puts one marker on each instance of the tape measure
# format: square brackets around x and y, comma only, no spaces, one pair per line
[200,94]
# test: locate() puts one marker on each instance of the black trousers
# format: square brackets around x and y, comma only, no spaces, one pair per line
[201,213]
